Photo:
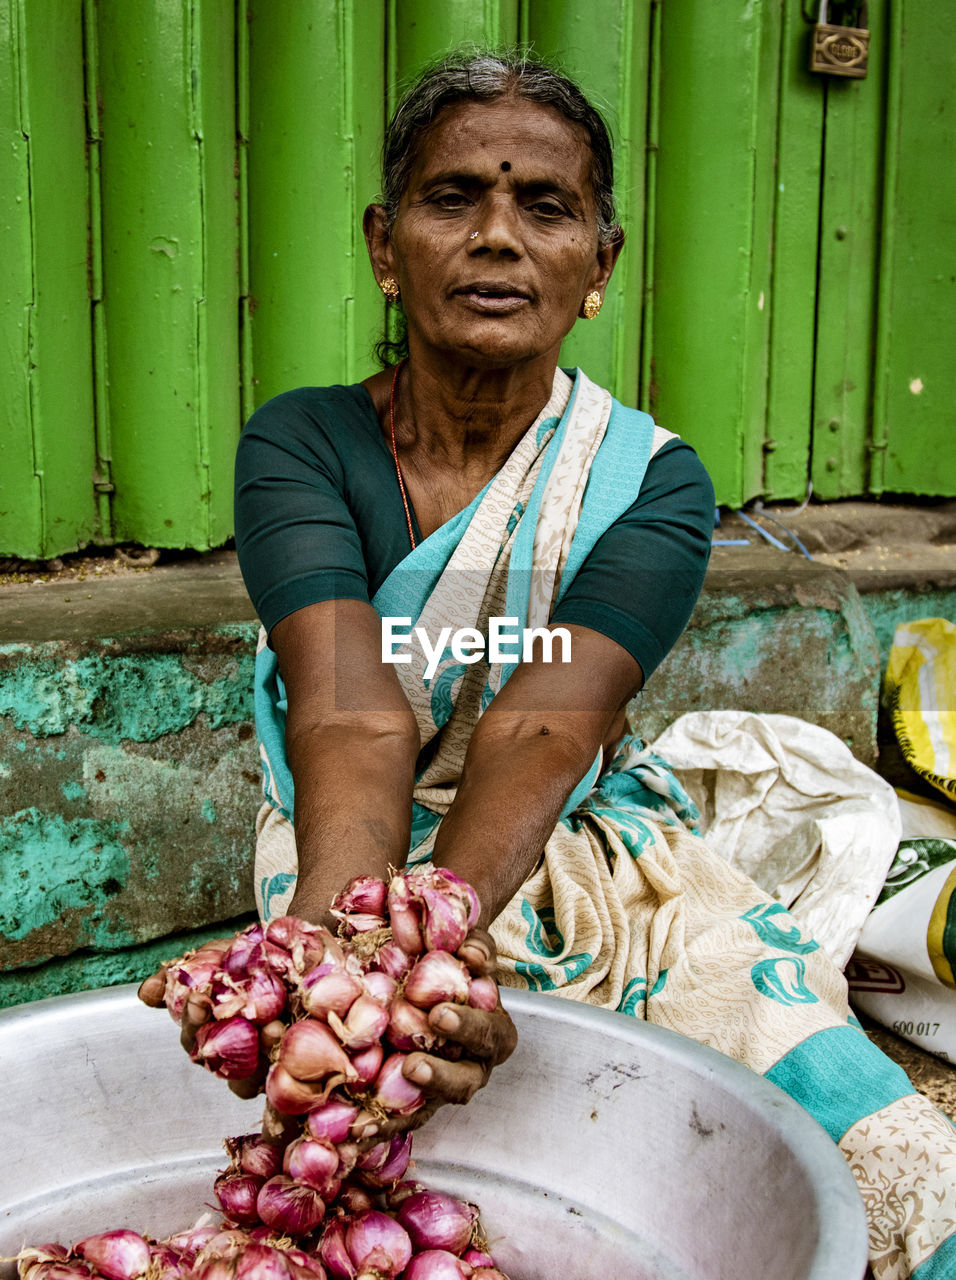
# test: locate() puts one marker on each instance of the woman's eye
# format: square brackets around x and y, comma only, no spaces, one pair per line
[548,209]
[450,200]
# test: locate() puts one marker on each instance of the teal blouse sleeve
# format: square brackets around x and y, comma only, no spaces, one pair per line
[318,515]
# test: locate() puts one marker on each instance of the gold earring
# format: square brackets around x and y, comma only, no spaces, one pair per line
[592,304]
[389,286]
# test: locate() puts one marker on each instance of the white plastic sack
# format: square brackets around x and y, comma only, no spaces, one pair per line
[925,818]
[902,971]
[790,805]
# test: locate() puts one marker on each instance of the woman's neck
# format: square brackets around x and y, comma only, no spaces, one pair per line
[455,429]
[469,418]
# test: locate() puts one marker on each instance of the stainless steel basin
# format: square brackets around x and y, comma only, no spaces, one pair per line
[605,1149]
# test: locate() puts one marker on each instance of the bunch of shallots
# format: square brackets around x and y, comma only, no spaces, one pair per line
[333,1018]
[337,1016]
[417,1234]
[207,1253]
[363,1243]
[289,1191]
[376,1226]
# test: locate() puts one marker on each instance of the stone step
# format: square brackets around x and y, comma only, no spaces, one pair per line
[129,776]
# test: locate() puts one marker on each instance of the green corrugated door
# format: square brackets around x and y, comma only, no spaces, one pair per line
[606,47]
[799,110]
[915,393]
[316,112]
[804,263]
[850,215]
[786,298]
[421,31]
[170,267]
[46,374]
[711,302]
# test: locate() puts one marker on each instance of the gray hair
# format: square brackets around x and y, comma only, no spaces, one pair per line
[481,77]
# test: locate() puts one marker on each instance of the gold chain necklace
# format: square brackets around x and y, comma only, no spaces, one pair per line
[398,469]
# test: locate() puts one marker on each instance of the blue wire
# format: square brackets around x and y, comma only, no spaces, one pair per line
[787,530]
[745,542]
[763,532]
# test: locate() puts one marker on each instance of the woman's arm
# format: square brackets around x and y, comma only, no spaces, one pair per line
[625,608]
[351,741]
[530,749]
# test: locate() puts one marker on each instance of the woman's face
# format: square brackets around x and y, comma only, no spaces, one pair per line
[495,243]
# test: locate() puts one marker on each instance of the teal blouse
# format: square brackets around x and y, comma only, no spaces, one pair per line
[319,516]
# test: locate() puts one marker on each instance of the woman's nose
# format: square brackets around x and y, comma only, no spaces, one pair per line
[499,226]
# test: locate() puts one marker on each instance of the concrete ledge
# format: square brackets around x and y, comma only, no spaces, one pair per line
[129,779]
[772,632]
[191,596]
[129,776]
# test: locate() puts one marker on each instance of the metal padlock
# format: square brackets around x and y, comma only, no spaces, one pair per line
[840,50]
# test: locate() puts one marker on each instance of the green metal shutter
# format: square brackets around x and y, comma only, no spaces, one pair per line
[316,83]
[182,185]
[170,267]
[47,436]
[915,393]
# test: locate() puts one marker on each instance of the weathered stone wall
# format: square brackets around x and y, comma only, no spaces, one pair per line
[772,633]
[129,778]
[129,788]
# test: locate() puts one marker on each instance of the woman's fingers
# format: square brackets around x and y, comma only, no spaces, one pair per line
[251,1086]
[399,1124]
[271,1034]
[481,1033]
[487,1038]
[447,1081]
[152,990]
[196,1011]
[490,1036]
[280,1128]
[479,954]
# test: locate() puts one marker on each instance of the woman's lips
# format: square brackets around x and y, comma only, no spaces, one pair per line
[493,301]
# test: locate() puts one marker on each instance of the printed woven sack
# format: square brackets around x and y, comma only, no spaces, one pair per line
[920,694]
[903,973]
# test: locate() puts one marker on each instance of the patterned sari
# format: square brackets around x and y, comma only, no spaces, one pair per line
[628,908]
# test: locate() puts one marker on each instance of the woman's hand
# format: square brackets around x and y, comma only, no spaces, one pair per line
[487,1039]
[198,1010]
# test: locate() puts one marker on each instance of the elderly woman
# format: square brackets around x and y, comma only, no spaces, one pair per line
[386,529]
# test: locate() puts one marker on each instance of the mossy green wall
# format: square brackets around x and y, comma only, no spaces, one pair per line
[129,777]
[129,782]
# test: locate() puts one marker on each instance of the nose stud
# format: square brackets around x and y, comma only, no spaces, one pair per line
[473,236]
